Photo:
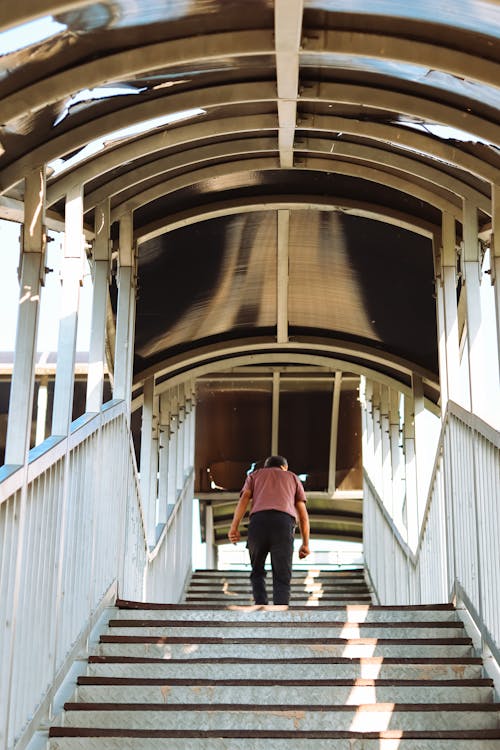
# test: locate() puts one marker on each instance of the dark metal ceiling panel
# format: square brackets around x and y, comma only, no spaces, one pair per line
[205,281]
[363,280]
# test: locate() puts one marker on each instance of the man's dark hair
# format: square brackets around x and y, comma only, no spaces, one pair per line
[275,462]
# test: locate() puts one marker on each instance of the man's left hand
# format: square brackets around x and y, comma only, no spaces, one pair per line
[304,551]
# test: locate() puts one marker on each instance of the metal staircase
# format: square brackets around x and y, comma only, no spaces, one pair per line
[216,673]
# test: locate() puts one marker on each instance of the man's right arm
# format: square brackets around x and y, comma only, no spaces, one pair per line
[303,518]
[234,534]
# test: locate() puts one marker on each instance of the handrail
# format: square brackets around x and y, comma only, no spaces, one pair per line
[42,456]
[456,554]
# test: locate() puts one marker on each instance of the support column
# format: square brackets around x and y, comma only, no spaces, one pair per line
[282,277]
[377,437]
[68,321]
[172,452]
[41,409]
[421,443]
[396,463]
[334,430]
[101,268]
[472,273]
[211,561]
[449,274]
[180,437]
[147,460]
[495,258]
[163,447]
[125,317]
[386,448]
[32,262]
[275,417]
[410,473]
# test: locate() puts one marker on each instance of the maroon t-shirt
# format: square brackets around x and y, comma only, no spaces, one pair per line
[274,489]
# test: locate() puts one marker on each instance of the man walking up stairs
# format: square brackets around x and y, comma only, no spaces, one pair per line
[216,673]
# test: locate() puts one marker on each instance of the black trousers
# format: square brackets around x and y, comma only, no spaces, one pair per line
[271,531]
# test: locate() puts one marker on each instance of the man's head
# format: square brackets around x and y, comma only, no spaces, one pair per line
[276,462]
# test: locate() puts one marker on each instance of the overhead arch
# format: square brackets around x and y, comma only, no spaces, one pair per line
[227,96]
[400,138]
[331,355]
[246,205]
[261,164]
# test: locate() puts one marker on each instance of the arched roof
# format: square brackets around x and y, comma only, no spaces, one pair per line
[249,137]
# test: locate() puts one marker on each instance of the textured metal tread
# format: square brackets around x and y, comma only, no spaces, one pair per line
[277,708]
[396,660]
[286,641]
[467,734]
[129,604]
[230,682]
[430,624]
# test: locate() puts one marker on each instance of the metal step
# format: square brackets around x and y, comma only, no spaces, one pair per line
[70,739]
[337,677]
[273,691]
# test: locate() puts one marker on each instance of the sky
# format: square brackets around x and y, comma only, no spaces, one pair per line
[48,328]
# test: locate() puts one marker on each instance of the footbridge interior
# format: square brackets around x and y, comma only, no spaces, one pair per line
[287,209]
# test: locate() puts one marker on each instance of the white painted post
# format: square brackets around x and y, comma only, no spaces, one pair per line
[282,278]
[147,459]
[68,318]
[41,409]
[495,257]
[209,537]
[396,463]
[32,261]
[449,271]
[421,443]
[172,450]
[125,316]
[192,433]
[385,448]
[475,342]
[377,436]
[275,415]
[101,259]
[163,460]
[334,429]
[180,438]
[410,473]
[155,460]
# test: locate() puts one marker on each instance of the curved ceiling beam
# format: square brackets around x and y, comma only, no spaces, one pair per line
[402,49]
[182,160]
[204,154]
[332,355]
[200,48]
[274,203]
[407,104]
[375,156]
[405,138]
[326,165]
[134,114]
[188,135]
[132,63]
[406,165]
[182,135]
[222,96]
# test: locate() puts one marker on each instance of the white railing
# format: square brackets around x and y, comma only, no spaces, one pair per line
[72,539]
[458,553]
[62,554]
[170,562]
